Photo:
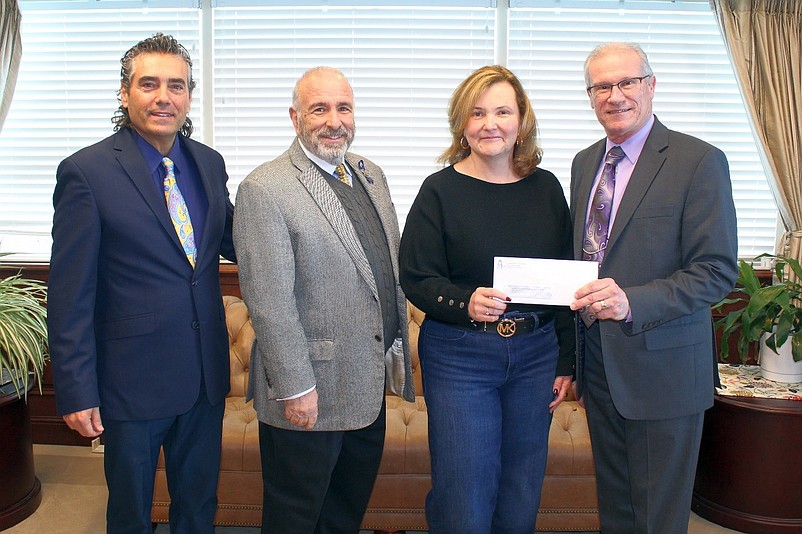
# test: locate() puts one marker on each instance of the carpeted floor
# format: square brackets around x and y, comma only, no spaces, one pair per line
[74,497]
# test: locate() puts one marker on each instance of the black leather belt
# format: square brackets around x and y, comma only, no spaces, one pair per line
[510,326]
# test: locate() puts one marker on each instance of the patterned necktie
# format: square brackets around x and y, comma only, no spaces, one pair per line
[339,171]
[597,228]
[179,212]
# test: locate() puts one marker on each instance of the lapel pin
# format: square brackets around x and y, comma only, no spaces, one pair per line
[361,165]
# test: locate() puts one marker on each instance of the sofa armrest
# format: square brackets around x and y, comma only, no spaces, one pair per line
[240,341]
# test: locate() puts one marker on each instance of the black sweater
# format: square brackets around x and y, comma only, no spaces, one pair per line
[456,226]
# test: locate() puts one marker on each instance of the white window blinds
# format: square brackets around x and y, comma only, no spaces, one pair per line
[696,90]
[404,60]
[403,63]
[65,98]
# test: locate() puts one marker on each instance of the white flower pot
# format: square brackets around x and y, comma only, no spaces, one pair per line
[779,367]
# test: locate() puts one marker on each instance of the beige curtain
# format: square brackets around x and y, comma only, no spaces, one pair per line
[10,52]
[764,42]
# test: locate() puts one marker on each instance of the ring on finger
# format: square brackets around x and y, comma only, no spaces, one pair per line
[603,305]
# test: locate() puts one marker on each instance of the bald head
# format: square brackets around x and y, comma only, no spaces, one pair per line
[323,113]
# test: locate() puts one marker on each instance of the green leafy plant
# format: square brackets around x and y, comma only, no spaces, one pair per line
[764,309]
[23,331]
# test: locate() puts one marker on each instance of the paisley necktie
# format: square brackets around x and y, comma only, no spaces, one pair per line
[179,212]
[597,228]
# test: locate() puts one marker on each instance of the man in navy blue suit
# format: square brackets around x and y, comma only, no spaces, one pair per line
[136,323]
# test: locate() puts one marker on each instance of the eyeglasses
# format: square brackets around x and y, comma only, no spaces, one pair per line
[627,86]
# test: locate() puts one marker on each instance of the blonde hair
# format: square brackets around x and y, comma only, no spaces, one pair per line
[527,154]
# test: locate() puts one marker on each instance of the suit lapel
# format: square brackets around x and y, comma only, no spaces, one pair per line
[650,161]
[387,215]
[584,185]
[133,164]
[331,207]
[206,180]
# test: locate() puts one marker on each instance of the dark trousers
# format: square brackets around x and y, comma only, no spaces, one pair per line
[192,444]
[318,482]
[645,469]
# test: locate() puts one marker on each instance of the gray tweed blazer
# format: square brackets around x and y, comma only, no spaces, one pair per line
[311,293]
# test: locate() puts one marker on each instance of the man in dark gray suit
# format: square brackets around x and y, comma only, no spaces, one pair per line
[668,251]
[317,240]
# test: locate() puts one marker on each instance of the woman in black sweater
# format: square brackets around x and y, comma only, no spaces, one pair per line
[489,396]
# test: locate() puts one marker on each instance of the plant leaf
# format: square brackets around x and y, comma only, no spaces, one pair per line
[23,330]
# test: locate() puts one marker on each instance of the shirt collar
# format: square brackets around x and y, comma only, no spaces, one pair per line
[633,146]
[153,158]
[325,165]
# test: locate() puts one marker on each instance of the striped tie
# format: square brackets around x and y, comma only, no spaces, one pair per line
[339,171]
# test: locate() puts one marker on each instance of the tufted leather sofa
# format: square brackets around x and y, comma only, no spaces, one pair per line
[568,502]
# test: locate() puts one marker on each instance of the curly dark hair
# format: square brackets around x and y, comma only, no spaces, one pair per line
[158,44]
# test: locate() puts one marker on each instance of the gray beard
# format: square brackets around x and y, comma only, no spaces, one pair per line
[333,155]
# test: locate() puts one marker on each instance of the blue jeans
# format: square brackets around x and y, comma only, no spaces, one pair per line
[489,420]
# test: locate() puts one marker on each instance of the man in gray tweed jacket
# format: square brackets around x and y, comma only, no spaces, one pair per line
[317,239]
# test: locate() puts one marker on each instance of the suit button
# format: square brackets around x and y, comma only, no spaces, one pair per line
[194,283]
[451,302]
[195,325]
[440,298]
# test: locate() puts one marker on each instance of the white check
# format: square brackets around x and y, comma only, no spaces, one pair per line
[541,281]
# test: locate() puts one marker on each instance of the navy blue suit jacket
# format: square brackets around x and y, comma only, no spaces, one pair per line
[132,326]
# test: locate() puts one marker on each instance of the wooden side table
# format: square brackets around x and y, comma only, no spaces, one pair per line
[749,476]
[20,490]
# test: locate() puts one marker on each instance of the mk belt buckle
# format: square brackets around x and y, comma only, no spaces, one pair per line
[506,328]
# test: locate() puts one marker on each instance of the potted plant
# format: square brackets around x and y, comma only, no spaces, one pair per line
[768,314]
[23,332]
[23,353]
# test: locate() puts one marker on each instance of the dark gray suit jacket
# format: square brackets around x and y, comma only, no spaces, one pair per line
[673,250]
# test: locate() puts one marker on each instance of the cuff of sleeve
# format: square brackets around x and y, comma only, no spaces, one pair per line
[297,395]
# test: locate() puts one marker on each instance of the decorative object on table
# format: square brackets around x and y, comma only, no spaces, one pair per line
[747,381]
[768,314]
[23,353]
